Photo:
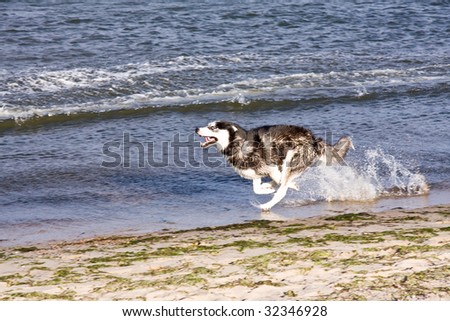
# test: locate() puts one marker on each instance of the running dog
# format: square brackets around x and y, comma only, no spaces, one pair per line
[281,152]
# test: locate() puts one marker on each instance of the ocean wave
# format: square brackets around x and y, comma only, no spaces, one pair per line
[179,82]
[39,81]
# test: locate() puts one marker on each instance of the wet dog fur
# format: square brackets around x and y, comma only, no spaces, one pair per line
[281,152]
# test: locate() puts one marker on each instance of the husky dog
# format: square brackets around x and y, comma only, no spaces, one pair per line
[281,152]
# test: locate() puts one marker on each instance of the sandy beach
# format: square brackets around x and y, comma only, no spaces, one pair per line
[399,254]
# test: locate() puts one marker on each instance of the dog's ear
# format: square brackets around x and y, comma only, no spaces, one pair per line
[234,128]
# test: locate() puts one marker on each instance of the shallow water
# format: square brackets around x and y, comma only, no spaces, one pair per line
[74,83]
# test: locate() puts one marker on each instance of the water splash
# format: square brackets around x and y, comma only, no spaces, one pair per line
[376,175]
[390,177]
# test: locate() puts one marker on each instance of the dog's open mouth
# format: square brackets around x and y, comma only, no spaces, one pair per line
[209,140]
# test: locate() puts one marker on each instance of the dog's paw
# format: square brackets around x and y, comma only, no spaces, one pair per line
[265,191]
[265,188]
[294,186]
[262,207]
[267,185]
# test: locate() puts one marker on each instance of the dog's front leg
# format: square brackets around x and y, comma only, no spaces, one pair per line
[277,197]
[285,181]
[262,188]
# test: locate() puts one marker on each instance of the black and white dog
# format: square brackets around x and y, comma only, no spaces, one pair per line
[281,152]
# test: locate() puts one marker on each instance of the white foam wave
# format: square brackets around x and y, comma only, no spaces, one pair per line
[52,81]
[378,175]
[357,79]
[153,99]
[59,80]
[154,94]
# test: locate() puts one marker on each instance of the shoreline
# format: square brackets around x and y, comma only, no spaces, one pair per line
[398,254]
[41,235]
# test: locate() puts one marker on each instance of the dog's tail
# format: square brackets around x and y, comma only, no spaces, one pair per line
[342,146]
[334,155]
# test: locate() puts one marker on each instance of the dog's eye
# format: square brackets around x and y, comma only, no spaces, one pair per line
[213,128]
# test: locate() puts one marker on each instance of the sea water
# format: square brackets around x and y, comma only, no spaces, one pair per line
[99,102]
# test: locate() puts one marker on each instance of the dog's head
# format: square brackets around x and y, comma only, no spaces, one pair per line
[219,133]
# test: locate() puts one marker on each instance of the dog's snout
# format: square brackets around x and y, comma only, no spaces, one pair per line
[197,129]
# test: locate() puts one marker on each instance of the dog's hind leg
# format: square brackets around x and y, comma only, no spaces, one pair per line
[285,181]
[275,175]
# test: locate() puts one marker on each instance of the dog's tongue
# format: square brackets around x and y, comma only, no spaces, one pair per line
[208,139]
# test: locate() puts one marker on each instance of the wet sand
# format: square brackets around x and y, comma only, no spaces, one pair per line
[397,254]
